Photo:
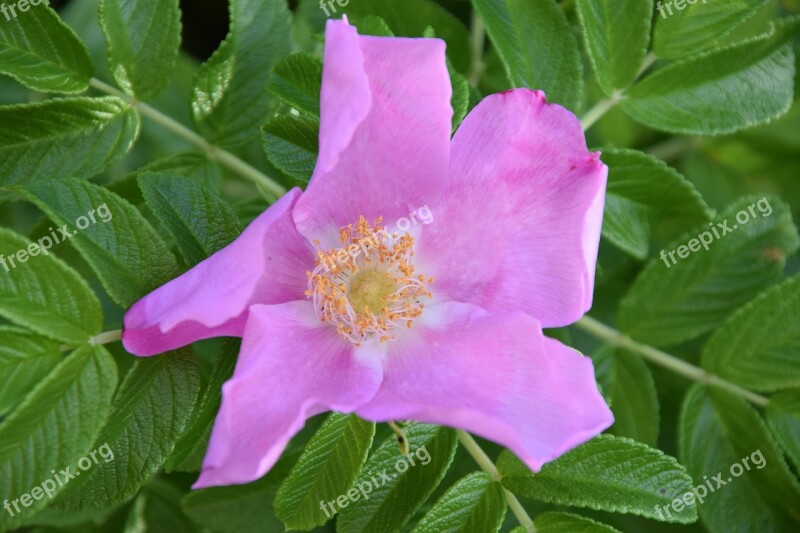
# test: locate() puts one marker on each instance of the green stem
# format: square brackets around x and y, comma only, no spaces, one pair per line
[663,359]
[478,41]
[107,337]
[488,466]
[211,151]
[604,106]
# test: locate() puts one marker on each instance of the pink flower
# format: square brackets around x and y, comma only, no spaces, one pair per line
[439,321]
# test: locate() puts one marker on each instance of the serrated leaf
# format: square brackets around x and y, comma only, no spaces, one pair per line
[555,522]
[297,80]
[639,188]
[757,347]
[474,503]
[330,463]
[69,137]
[191,447]
[291,143]
[721,91]
[41,52]
[617,34]
[410,18]
[671,303]
[698,26]
[628,384]
[143,43]
[229,101]
[783,417]
[25,358]
[126,253]
[148,414]
[613,474]
[197,218]
[55,427]
[537,46]
[460,99]
[43,293]
[393,501]
[719,431]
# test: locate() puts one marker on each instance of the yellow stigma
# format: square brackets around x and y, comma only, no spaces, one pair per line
[368,286]
[370,291]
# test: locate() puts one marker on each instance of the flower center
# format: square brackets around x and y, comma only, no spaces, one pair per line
[368,286]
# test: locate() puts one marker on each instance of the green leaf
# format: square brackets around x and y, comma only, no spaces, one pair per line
[127,254]
[757,347]
[158,510]
[613,474]
[555,522]
[235,508]
[197,218]
[191,447]
[291,143]
[411,480]
[537,46]
[698,25]
[409,18]
[55,427]
[641,187]
[40,292]
[297,81]
[240,508]
[460,99]
[229,101]
[474,503]
[38,50]
[674,301]
[372,25]
[25,359]
[330,463]
[721,435]
[628,384]
[143,43]
[783,417]
[69,137]
[617,33]
[721,91]
[147,416]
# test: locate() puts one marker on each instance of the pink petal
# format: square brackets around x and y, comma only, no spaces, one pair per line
[267,264]
[384,131]
[291,367]
[495,376]
[520,224]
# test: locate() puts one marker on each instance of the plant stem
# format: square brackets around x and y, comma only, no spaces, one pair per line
[601,108]
[488,466]
[211,151]
[663,359]
[107,337]
[478,41]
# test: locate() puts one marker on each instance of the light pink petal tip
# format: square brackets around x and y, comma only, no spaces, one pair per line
[494,376]
[266,264]
[384,130]
[291,367]
[520,224]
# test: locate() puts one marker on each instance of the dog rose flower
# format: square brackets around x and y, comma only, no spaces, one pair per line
[351,297]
